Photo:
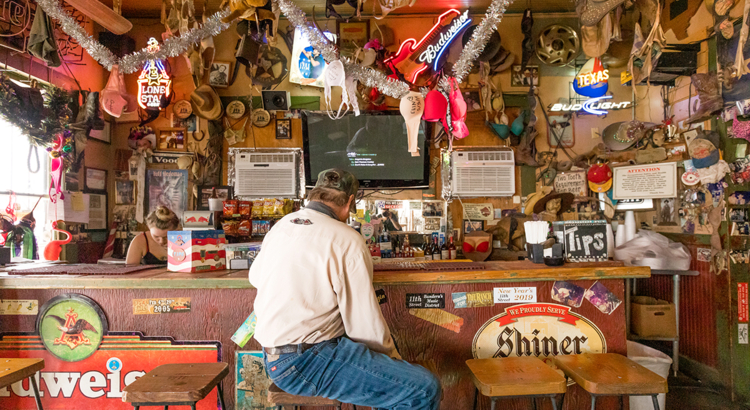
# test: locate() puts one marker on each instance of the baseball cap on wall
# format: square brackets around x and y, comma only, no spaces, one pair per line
[600,177]
[339,180]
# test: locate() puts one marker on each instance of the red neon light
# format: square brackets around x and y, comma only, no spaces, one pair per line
[402,54]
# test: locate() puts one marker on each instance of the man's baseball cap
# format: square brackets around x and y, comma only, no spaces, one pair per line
[600,177]
[339,180]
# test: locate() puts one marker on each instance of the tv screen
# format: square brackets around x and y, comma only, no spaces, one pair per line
[372,146]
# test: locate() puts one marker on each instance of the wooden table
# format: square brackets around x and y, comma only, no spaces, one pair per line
[14,370]
[221,301]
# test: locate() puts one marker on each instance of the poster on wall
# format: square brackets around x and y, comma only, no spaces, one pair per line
[167,188]
[308,64]
[86,366]
[645,181]
[252,382]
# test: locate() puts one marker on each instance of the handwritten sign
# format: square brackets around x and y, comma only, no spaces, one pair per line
[572,182]
[479,212]
[515,295]
[585,241]
[425,300]
[160,306]
[645,181]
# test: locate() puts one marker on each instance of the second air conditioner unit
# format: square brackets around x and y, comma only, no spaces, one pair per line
[483,173]
[260,174]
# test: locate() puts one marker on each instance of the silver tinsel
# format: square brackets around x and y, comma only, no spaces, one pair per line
[131,63]
[479,39]
[374,78]
[317,39]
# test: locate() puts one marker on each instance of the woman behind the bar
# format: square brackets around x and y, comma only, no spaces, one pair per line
[150,248]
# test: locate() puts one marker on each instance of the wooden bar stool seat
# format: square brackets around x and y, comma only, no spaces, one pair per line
[513,377]
[15,370]
[179,384]
[283,399]
[611,374]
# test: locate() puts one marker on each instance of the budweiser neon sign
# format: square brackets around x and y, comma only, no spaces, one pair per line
[414,58]
[154,82]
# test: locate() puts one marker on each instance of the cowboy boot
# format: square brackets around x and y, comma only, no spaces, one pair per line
[709,95]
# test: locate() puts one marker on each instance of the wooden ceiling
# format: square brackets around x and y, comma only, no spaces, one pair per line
[152,8]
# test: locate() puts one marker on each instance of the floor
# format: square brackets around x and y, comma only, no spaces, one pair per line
[689,394]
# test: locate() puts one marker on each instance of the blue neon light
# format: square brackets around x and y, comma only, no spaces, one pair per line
[591,101]
[448,44]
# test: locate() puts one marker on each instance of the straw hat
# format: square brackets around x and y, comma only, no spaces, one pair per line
[566,200]
[532,199]
[206,103]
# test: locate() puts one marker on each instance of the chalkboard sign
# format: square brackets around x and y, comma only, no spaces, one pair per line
[585,241]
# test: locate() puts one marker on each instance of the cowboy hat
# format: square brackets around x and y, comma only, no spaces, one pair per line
[490,49]
[590,12]
[595,39]
[532,199]
[206,103]
[566,200]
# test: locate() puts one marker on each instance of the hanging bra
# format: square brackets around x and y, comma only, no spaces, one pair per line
[741,129]
[234,136]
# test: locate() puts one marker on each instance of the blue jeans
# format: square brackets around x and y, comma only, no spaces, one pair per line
[348,371]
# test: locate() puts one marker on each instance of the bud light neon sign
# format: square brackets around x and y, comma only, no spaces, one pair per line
[592,81]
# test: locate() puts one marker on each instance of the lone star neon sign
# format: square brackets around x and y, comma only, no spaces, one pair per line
[414,58]
[153,81]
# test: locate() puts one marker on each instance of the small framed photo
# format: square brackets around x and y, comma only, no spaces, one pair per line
[171,139]
[219,75]
[224,192]
[352,35]
[125,192]
[104,135]
[96,180]
[471,226]
[284,129]
[190,124]
[524,78]
[560,131]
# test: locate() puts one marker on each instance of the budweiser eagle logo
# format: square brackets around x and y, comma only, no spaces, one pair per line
[72,330]
[71,327]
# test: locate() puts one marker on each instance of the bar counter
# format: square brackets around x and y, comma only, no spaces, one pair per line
[440,338]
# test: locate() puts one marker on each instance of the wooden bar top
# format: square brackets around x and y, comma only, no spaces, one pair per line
[493,272]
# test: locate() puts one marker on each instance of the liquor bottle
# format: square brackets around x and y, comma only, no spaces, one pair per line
[409,251]
[427,248]
[452,249]
[436,254]
[445,253]
[385,245]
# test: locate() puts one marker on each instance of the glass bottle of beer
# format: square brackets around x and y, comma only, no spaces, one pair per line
[436,254]
[427,248]
[452,249]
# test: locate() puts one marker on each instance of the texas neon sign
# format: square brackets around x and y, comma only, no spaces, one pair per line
[592,106]
[413,58]
[154,82]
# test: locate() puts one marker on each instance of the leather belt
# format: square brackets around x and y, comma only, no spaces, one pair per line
[286,349]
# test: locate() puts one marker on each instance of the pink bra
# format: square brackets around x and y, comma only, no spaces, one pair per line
[458,111]
[741,129]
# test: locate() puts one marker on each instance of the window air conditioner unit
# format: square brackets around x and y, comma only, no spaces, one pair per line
[263,175]
[483,173]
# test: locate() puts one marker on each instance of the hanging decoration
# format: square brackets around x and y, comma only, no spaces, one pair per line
[154,82]
[172,47]
[479,39]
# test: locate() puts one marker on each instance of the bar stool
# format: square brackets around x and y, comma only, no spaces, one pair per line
[283,399]
[178,384]
[611,374]
[514,377]
[14,370]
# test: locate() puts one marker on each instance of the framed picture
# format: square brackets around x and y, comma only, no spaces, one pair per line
[218,76]
[97,212]
[560,131]
[307,64]
[125,194]
[103,135]
[171,139]
[252,381]
[471,226]
[473,101]
[72,182]
[524,78]
[284,129]
[167,187]
[352,35]
[96,180]
[190,124]
[667,211]
[204,192]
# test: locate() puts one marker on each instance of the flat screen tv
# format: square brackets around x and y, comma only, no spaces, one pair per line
[372,146]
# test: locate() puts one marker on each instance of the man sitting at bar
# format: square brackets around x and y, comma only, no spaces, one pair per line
[318,317]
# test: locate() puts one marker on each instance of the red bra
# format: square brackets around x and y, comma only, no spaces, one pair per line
[482,247]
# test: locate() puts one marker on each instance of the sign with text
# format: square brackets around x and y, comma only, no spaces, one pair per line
[425,300]
[478,212]
[645,181]
[573,182]
[160,306]
[585,241]
[389,204]
[742,302]
[19,307]
[515,295]
[472,299]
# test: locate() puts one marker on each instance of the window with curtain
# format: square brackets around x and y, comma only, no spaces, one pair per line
[25,172]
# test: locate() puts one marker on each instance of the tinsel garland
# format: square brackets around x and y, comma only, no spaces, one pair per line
[317,39]
[374,78]
[131,63]
[43,127]
[479,38]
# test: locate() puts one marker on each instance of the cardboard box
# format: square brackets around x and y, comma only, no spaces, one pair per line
[651,317]
[196,251]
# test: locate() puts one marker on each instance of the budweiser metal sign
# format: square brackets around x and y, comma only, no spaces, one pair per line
[537,329]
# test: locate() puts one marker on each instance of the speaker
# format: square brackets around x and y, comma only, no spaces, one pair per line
[276,100]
